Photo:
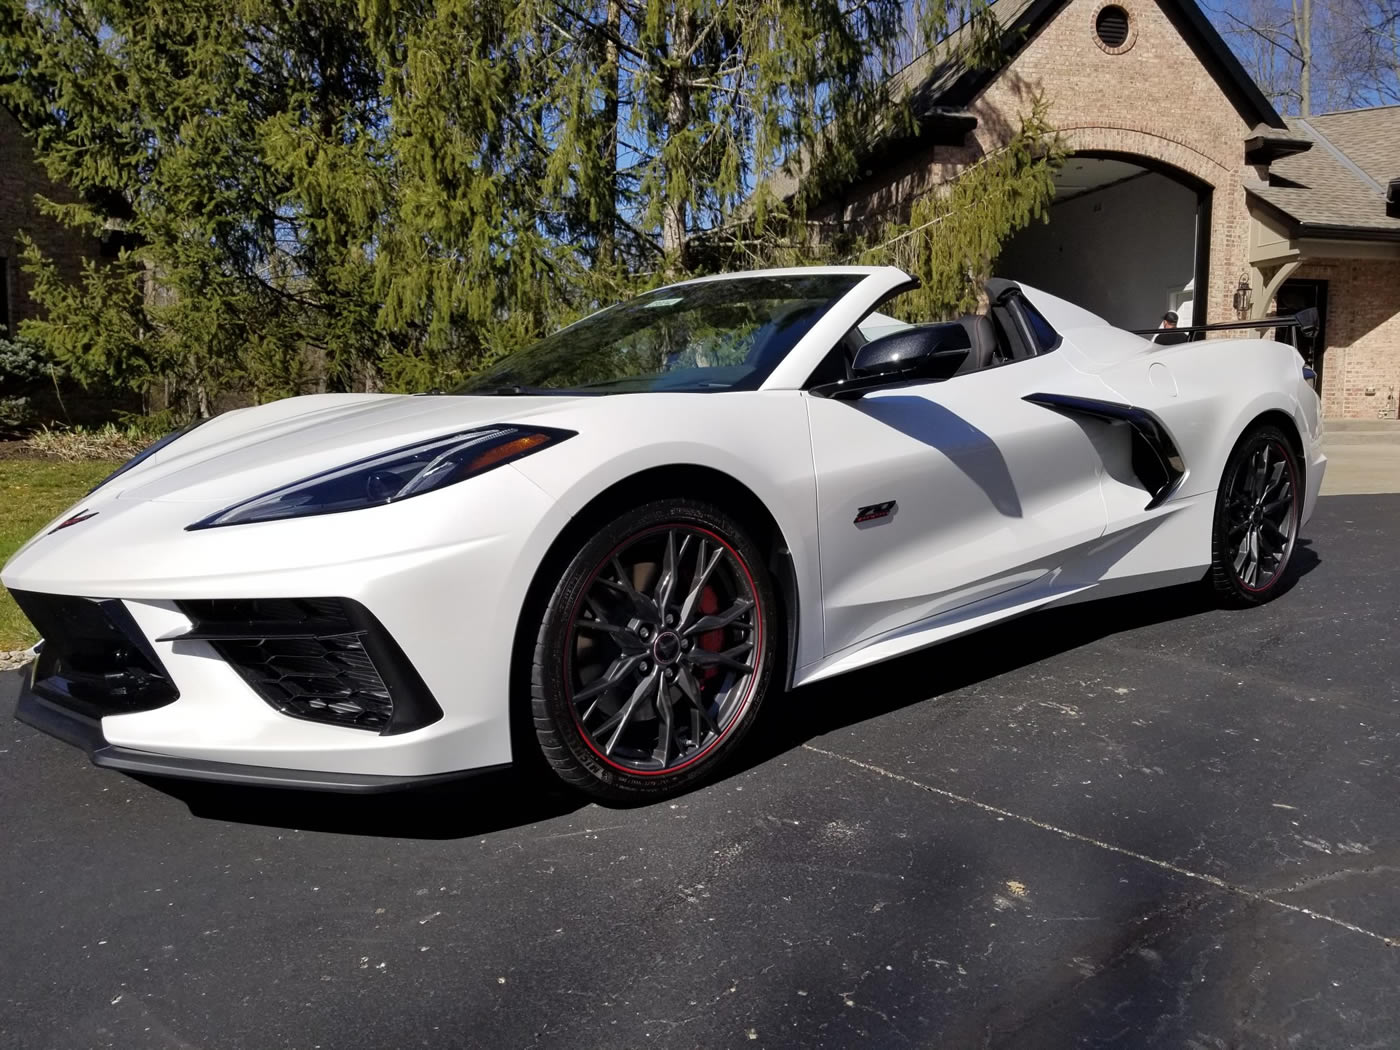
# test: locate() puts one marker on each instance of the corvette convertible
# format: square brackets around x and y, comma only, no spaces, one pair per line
[609,548]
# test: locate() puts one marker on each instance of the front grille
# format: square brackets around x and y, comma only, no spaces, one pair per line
[94,659]
[323,659]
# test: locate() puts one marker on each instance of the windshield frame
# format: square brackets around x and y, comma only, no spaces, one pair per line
[842,310]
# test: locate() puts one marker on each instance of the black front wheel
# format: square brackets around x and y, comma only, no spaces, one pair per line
[1258,512]
[654,652]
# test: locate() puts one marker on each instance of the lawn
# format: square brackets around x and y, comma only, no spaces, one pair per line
[32,491]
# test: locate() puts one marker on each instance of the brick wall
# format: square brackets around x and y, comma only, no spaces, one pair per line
[1152,98]
[21,178]
[1363,336]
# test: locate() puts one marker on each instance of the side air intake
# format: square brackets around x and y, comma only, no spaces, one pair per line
[1156,460]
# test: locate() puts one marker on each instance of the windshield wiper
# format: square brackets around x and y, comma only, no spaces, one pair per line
[508,391]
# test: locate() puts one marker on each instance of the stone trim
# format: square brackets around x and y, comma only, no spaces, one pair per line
[1122,138]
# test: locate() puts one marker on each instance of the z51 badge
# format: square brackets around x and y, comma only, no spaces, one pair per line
[875,512]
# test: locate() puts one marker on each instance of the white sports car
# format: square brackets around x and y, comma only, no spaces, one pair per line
[614,544]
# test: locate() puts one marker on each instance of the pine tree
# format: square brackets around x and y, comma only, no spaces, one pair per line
[327,194]
[952,237]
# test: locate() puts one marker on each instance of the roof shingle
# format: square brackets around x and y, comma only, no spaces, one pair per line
[1321,188]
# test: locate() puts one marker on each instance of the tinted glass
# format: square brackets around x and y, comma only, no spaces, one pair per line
[709,336]
[1045,335]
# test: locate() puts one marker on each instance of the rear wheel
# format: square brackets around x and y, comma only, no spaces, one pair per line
[1258,510]
[654,652]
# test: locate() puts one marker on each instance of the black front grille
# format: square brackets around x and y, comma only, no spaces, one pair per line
[323,659]
[94,659]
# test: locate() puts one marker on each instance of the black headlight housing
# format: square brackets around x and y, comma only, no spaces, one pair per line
[389,477]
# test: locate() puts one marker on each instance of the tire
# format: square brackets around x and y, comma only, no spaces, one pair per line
[1258,512]
[626,705]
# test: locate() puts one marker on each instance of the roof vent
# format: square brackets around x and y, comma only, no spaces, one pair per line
[1112,28]
[1392,199]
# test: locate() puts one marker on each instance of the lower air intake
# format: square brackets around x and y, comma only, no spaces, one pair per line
[95,660]
[322,659]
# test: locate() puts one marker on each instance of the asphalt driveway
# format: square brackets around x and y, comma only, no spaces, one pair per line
[1139,823]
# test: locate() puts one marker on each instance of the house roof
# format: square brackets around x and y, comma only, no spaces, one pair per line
[1338,188]
[1370,137]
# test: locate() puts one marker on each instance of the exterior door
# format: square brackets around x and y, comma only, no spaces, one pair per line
[936,495]
[1299,294]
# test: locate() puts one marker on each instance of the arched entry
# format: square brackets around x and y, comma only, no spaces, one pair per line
[1128,238]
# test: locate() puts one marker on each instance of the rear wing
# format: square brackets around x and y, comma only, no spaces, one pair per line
[1305,322]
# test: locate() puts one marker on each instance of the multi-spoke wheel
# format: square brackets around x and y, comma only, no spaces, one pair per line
[1257,514]
[654,651]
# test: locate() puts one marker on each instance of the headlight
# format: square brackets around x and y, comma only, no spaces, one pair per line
[146,453]
[392,476]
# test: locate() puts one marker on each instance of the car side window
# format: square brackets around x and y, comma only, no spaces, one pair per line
[1046,337]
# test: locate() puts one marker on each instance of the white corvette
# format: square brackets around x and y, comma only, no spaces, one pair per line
[616,542]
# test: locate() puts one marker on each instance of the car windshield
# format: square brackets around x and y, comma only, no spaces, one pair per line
[707,336]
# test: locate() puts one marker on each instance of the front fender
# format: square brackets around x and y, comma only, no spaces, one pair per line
[758,438]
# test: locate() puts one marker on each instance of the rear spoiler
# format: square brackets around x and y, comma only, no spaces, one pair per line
[1306,321]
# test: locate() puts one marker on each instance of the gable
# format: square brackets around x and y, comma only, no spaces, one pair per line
[1164,81]
[1209,50]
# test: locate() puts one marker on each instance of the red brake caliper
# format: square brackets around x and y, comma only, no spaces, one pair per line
[710,640]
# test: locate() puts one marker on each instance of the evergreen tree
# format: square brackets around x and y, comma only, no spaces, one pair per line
[349,194]
[952,237]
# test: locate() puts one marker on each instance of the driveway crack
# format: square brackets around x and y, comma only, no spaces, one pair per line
[1074,836]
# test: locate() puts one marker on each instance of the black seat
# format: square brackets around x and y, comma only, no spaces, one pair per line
[983,335]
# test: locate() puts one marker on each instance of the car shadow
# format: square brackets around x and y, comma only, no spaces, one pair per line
[512,798]
[849,699]
[478,805]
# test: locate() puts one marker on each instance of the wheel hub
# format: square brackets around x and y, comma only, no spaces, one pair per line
[666,650]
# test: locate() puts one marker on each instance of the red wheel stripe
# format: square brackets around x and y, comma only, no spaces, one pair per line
[743,704]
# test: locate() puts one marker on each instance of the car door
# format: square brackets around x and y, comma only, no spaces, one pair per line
[935,496]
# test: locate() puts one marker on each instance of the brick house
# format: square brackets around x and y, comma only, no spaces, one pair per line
[1323,230]
[21,179]
[1186,189]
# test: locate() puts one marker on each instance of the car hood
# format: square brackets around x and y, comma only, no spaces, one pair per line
[249,451]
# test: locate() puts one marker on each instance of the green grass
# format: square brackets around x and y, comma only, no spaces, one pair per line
[32,492]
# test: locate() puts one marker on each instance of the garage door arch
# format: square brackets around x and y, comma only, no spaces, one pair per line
[1143,205]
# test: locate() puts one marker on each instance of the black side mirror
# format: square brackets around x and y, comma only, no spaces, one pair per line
[1308,322]
[929,352]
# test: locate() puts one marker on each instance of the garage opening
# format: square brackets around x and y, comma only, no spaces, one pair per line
[1126,239]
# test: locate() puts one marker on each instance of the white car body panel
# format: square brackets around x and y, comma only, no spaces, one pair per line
[1002,506]
[986,514]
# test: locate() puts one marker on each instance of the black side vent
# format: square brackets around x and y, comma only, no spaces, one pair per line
[1156,460]
[1392,199]
[322,659]
[94,660]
